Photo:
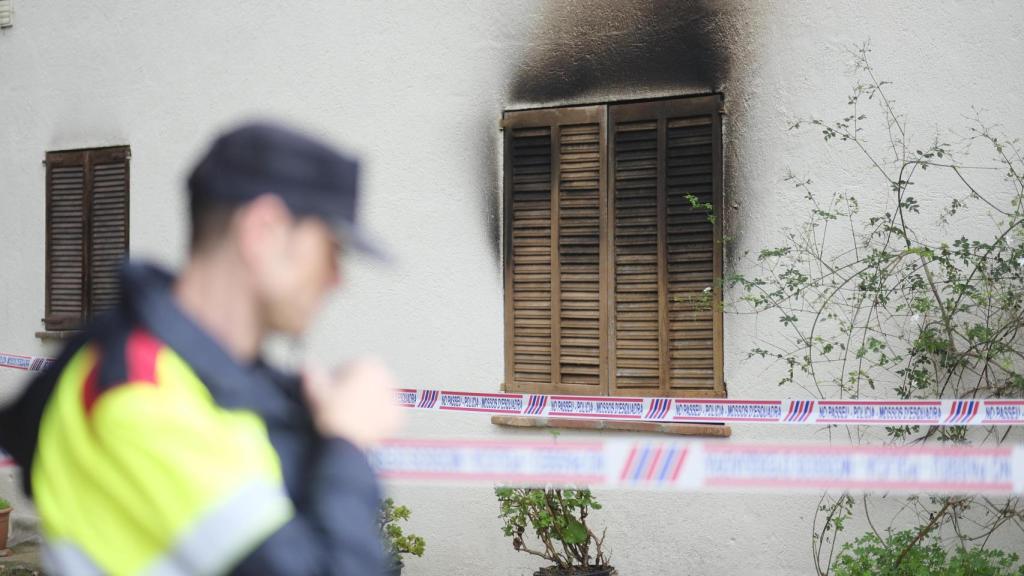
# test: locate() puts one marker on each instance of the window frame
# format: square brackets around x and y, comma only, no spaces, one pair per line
[607,115]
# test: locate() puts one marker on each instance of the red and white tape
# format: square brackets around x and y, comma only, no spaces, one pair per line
[29,363]
[935,412]
[700,466]
[992,412]
[697,465]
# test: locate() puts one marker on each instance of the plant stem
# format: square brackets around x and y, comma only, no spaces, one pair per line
[923,531]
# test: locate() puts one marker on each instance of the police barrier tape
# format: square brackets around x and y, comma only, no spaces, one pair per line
[964,412]
[998,412]
[31,363]
[699,466]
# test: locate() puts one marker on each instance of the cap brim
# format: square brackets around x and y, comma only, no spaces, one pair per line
[354,236]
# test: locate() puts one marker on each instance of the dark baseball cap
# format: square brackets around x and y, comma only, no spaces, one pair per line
[311,177]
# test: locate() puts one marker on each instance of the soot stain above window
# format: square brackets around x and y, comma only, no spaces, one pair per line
[621,49]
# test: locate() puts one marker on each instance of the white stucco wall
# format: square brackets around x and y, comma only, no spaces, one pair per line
[418,88]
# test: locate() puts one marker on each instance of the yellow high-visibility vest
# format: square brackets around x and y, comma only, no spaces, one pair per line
[144,473]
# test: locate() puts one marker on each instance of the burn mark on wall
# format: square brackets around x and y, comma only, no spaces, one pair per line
[491,183]
[613,50]
[622,49]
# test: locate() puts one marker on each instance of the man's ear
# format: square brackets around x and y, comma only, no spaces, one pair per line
[262,226]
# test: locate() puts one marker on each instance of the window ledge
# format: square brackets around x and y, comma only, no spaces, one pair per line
[710,430]
[57,334]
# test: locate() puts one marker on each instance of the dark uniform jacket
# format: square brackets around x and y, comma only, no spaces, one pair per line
[147,449]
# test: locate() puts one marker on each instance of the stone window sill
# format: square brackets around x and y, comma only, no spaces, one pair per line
[57,334]
[708,430]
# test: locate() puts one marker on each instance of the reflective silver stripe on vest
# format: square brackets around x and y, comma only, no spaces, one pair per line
[62,558]
[227,534]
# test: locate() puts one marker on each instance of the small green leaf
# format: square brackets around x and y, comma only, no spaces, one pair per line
[575,533]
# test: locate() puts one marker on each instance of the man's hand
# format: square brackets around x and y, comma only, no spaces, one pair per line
[355,402]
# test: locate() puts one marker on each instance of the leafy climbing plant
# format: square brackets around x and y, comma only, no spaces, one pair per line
[907,283]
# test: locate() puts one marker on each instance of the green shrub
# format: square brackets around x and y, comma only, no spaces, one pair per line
[899,555]
[398,541]
[558,519]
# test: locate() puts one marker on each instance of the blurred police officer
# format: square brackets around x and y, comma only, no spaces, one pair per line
[161,443]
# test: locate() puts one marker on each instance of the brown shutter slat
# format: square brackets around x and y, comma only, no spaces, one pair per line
[635,255]
[691,246]
[108,229]
[667,330]
[579,240]
[530,175]
[65,240]
[554,328]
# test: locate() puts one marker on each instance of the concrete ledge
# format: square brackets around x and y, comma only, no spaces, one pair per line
[57,334]
[712,430]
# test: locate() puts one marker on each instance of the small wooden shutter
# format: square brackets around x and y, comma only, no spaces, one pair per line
[65,240]
[666,335]
[86,233]
[555,320]
[108,229]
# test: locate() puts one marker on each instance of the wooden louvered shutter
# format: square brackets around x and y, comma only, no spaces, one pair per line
[108,226]
[86,233]
[666,335]
[65,240]
[555,316]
